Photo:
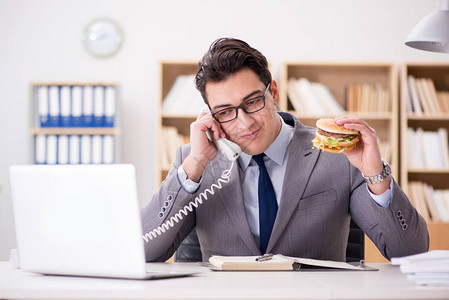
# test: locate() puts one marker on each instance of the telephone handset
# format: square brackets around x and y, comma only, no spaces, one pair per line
[229,150]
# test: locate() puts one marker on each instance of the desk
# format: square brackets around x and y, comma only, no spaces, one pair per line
[388,283]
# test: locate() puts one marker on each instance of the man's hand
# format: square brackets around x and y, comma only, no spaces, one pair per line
[202,151]
[366,154]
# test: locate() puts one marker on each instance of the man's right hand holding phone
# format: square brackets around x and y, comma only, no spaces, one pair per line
[202,150]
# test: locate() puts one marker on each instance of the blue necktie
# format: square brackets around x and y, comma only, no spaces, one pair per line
[268,205]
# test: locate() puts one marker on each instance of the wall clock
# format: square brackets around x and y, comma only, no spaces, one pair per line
[103,37]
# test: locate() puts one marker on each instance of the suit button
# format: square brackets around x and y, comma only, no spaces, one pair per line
[404,227]
[166,204]
[399,213]
[160,215]
[169,197]
[403,222]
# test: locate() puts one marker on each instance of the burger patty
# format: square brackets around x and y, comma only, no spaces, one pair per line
[332,134]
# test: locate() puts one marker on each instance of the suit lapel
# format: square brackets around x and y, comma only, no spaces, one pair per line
[301,161]
[231,196]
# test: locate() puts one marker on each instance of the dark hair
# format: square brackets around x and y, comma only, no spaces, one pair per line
[225,57]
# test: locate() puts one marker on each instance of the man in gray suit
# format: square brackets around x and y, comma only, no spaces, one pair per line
[315,193]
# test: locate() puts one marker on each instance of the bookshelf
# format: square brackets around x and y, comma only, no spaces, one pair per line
[74,123]
[337,76]
[340,78]
[169,72]
[429,121]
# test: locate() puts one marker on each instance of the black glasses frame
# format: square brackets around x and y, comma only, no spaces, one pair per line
[241,106]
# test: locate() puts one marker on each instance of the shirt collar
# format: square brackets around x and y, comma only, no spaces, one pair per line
[276,151]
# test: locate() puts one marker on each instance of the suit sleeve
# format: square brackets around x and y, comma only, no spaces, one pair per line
[167,202]
[398,229]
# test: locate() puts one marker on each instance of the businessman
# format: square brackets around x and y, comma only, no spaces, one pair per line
[282,195]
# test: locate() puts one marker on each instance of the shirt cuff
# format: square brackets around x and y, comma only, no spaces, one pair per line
[188,185]
[385,198]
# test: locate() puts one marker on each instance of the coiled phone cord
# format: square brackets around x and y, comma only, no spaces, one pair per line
[225,177]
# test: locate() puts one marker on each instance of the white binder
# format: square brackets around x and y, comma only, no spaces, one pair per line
[65,106]
[99,106]
[74,144]
[52,149]
[108,149]
[96,149]
[86,149]
[110,106]
[40,149]
[54,106]
[77,106]
[63,149]
[42,105]
[88,106]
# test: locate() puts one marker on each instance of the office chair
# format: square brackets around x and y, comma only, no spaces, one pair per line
[190,251]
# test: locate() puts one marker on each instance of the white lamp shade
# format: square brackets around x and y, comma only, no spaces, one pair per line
[431,33]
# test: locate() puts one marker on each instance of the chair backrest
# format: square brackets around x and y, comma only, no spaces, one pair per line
[190,251]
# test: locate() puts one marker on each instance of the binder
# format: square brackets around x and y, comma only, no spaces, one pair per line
[40,149]
[42,106]
[53,107]
[63,149]
[65,118]
[96,149]
[77,106]
[74,149]
[52,149]
[108,149]
[110,106]
[99,106]
[88,106]
[86,149]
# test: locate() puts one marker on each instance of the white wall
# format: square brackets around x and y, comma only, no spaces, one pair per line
[41,41]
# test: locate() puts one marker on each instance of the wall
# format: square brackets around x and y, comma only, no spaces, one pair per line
[41,41]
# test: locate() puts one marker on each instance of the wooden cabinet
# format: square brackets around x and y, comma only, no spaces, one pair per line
[169,72]
[340,79]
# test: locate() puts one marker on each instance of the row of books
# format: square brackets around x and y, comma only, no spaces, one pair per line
[312,98]
[74,149]
[367,98]
[432,204]
[75,106]
[427,149]
[183,98]
[171,141]
[423,98]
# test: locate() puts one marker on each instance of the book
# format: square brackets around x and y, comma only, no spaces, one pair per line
[280,262]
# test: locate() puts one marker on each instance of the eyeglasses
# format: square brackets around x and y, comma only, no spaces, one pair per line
[249,106]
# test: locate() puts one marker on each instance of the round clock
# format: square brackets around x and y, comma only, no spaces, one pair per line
[102,37]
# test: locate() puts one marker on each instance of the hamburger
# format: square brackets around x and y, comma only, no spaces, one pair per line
[333,138]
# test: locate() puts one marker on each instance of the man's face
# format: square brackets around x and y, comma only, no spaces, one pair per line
[254,132]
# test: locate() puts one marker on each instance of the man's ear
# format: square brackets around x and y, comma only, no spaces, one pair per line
[274,92]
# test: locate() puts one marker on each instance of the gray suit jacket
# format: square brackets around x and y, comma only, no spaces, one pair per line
[321,192]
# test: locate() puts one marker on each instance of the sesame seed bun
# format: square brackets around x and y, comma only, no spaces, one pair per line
[333,138]
[329,125]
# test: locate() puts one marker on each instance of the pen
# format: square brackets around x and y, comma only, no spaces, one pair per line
[264,257]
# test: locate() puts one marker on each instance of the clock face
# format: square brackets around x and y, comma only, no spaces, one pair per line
[102,37]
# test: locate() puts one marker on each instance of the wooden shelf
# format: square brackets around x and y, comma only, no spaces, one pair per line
[438,235]
[336,76]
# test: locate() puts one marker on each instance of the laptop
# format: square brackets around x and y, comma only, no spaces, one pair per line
[82,220]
